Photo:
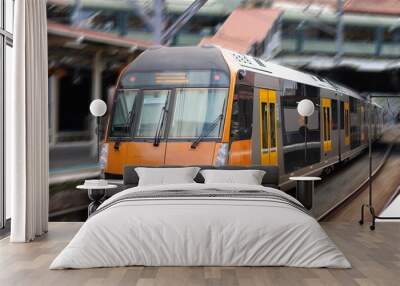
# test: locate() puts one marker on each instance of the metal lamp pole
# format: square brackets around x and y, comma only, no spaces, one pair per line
[98,108]
[369,206]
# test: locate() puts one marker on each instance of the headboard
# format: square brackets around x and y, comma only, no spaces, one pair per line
[270,179]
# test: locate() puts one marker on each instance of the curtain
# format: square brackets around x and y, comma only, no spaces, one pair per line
[27,124]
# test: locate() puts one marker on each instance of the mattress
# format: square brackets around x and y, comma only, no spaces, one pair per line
[201,225]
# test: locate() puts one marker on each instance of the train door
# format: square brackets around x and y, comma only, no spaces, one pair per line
[149,145]
[268,127]
[327,124]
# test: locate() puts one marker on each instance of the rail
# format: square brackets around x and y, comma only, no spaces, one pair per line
[341,204]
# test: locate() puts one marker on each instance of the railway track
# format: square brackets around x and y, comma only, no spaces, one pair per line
[348,208]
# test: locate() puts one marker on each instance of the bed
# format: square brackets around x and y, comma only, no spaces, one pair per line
[197,224]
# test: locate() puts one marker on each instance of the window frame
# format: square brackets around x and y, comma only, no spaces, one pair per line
[6,39]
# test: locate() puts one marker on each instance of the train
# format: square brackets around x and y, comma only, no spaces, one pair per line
[206,105]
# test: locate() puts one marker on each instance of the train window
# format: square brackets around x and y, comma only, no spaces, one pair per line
[334,115]
[293,131]
[198,111]
[311,91]
[273,124]
[325,110]
[121,118]
[355,122]
[264,118]
[346,120]
[342,119]
[329,123]
[242,113]
[151,111]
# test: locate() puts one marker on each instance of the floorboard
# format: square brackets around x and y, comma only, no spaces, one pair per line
[375,257]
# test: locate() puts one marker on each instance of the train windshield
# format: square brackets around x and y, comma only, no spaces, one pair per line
[195,112]
[198,112]
[193,103]
[121,126]
[151,111]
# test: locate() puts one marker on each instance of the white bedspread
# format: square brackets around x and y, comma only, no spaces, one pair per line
[200,231]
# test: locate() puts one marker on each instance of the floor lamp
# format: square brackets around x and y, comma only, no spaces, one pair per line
[305,108]
[98,108]
[370,206]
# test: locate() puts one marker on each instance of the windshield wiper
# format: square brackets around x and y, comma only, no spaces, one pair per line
[206,132]
[131,117]
[157,137]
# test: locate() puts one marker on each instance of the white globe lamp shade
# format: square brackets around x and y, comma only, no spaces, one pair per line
[98,107]
[305,107]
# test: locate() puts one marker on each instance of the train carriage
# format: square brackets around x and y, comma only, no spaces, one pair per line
[211,106]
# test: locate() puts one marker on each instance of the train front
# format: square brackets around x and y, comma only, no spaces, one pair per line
[170,108]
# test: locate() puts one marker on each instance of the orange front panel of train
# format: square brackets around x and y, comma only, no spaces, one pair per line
[240,153]
[116,157]
[180,153]
[145,154]
[134,153]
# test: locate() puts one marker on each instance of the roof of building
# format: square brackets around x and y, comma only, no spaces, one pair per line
[243,28]
[95,36]
[389,7]
[383,7]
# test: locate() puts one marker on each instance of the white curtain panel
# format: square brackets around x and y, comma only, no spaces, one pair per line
[27,124]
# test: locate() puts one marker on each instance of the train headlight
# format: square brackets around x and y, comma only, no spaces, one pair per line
[222,155]
[103,156]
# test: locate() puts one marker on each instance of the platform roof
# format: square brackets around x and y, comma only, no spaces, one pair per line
[77,47]
[212,7]
[383,7]
[91,36]
[243,28]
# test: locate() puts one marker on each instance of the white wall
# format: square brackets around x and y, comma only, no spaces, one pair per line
[9,12]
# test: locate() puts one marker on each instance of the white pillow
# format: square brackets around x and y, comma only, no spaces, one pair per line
[248,177]
[165,176]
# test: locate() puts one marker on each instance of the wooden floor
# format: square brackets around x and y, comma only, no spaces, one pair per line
[375,257]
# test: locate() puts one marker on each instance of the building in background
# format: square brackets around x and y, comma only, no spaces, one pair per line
[304,35]
[132,18]
[90,41]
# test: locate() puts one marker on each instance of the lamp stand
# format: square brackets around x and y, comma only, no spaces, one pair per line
[305,138]
[98,138]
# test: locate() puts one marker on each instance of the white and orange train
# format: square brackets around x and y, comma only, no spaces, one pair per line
[211,106]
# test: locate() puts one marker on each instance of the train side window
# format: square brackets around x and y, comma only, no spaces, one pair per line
[293,127]
[273,124]
[264,115]
[334,115]
[342,116]
[242,113]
